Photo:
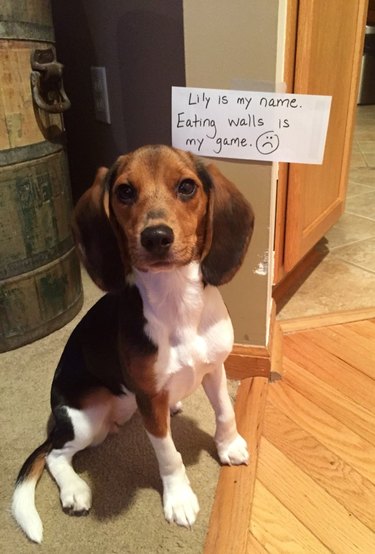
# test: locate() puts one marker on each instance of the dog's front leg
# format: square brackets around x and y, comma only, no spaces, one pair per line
[180,502]
[231,447]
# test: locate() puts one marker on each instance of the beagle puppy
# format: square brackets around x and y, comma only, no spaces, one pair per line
[159,232]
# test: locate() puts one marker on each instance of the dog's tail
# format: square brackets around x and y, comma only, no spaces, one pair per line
[23,502]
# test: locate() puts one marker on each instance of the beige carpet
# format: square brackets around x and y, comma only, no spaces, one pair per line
[126,516]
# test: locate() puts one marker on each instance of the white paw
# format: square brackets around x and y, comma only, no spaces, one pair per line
[181,505]
[233,453]
[76,498]
[176,409]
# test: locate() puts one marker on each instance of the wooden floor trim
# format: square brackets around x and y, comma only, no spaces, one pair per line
[248,361]
[230,516]
[325,320]
[240,365]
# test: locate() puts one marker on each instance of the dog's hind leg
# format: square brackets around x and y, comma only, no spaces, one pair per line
[75,494]
[65,438]
[75,430]
[87,427]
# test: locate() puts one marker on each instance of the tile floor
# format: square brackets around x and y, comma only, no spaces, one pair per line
[345,278]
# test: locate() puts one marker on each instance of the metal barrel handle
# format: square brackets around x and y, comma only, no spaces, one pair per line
[46,81]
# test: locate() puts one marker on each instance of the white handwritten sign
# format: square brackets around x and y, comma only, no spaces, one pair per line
[266,126]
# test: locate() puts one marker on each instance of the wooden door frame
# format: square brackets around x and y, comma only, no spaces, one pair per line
[282,182]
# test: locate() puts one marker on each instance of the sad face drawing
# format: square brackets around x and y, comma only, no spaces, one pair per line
[267,142]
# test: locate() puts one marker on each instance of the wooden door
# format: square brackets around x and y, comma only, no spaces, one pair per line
[328,48]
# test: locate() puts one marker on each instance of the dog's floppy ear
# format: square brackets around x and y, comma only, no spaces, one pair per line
[97,243]
[230,222]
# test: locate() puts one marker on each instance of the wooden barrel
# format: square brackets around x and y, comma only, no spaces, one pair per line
[40,282]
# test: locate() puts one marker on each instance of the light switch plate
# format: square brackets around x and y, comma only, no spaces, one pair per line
[100,92]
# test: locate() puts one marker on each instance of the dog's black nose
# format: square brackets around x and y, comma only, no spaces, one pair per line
[157,238]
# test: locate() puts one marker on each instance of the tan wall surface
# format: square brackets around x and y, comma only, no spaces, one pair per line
[226,42]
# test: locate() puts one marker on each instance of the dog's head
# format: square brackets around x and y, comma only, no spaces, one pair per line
[158,208]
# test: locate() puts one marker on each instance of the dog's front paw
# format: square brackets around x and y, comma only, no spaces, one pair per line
[76,498]
[181,505]
[176,409]
[234,452]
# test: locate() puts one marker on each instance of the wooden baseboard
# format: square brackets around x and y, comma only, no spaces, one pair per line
[244,363]
[324,320]
[257,361]
[230,516]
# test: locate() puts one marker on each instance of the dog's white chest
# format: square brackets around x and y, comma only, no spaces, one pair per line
[182,366]
[190,326]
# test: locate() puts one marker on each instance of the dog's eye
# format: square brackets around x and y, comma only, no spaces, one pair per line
[126,193]
[186,189]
